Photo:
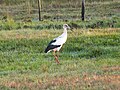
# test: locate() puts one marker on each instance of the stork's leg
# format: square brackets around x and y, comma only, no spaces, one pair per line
[56,58]
[57,54]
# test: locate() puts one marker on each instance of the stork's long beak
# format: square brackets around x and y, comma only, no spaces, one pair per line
[71,29]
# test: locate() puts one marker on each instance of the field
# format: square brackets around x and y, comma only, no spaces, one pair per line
[89,60]
[24,15]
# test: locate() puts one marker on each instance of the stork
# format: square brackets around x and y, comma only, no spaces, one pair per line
[56,44]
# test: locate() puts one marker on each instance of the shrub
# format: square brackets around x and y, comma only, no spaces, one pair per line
[9,25]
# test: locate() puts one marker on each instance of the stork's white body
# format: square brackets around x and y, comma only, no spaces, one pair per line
[60,40]
[57,43]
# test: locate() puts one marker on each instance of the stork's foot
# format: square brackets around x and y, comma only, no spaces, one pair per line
[56,57]
[57,61]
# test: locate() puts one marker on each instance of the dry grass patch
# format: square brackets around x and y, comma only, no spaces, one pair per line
[71,82]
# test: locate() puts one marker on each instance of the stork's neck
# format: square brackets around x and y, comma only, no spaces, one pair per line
[65,30]
[64,33]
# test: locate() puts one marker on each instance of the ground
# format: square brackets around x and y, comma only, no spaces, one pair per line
[90,59]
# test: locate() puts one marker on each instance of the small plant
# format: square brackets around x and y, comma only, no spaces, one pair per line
[10,24]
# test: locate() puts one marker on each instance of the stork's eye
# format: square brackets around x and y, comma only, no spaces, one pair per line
[66,26]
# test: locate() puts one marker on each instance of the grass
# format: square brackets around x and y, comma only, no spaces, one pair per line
[89,60]
[60,11]
[10,24]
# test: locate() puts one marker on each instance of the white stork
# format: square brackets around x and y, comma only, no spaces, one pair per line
[57,43]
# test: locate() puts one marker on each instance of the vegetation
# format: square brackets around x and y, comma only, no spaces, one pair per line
[10,24]
[97,12]
[89,60]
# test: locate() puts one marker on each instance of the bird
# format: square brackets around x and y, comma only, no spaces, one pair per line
[56,44]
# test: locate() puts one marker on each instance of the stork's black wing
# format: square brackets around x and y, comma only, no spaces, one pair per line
[50,46]
[52,41]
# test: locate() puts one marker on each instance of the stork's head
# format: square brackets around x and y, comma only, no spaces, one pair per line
[65,26]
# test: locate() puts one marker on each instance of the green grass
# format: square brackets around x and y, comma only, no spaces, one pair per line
[59,11]
[113,22]
[90,59]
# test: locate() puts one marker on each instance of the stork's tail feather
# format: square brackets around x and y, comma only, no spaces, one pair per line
[50,47]
[46,50]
